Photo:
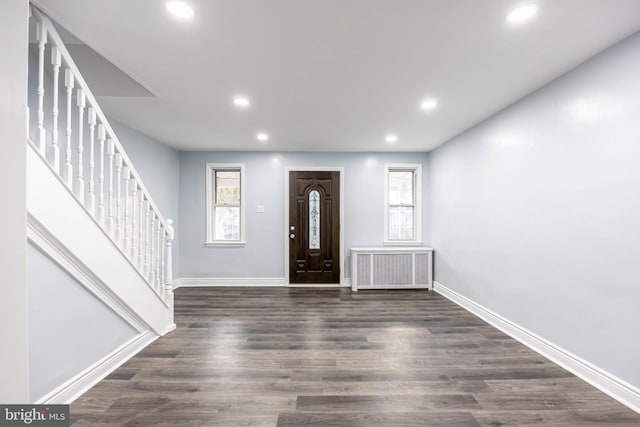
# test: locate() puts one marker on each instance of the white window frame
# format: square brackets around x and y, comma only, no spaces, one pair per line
[416,168]
[211,169]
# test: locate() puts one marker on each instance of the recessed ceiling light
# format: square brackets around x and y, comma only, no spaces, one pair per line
[428,104]
[180,9]
[522,13]
[391,138]
[263,137]
[241,102]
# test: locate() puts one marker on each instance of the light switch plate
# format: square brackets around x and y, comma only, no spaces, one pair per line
[260,209]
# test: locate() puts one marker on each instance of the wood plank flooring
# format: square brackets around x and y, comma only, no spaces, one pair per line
[328,357]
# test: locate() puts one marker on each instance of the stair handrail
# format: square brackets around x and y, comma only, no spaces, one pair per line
[152,256]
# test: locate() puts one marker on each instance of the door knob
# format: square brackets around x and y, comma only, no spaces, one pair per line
[292,236]
[292,228]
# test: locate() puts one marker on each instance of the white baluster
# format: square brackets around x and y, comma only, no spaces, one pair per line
[168,263]
[146,240]
[118,235]
[163,242]
[158,252]
[141,231]
[134,243]
[56,61]
[68,168]
[152,251]
[41,36]
[81,103]
[125,239]
[110,154]
[101,137]
[91,119]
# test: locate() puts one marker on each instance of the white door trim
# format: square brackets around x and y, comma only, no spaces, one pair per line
[288,169]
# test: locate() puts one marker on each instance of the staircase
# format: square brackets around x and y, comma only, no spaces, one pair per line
[89,210]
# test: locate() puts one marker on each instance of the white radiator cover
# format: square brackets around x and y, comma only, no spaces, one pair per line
[391,268]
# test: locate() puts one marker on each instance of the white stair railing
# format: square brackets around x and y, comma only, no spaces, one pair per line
[115,196]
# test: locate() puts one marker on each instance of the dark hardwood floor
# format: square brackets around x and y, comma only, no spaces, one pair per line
[330,357]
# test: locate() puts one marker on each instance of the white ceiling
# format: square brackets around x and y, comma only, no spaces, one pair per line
[334,75]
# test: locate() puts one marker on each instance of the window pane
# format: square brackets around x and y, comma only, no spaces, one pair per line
[314,220]
[401,223]
[400,187]
[227,223]
[227,187]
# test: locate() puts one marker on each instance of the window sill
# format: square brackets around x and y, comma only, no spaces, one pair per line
[224,244]
[402,243]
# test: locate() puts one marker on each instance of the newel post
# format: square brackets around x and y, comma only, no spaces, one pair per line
[168,267]
[168,274]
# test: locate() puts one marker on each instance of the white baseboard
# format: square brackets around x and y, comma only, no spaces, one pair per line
[81,383]
[186,282]
[172,327]
[618,389]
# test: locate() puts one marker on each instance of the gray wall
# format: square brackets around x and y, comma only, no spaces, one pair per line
[535,212]
[14,386]
[263,255]
[69,329]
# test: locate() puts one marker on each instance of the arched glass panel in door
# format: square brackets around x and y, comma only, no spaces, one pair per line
[314,219]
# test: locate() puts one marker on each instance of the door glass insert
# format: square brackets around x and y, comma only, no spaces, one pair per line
[314,219]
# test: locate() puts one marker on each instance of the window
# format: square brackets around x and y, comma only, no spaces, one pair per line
[403,191]
[225,204]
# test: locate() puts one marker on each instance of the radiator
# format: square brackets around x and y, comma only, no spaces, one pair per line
[391,268]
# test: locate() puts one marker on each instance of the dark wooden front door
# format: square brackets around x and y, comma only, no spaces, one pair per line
[314,227]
